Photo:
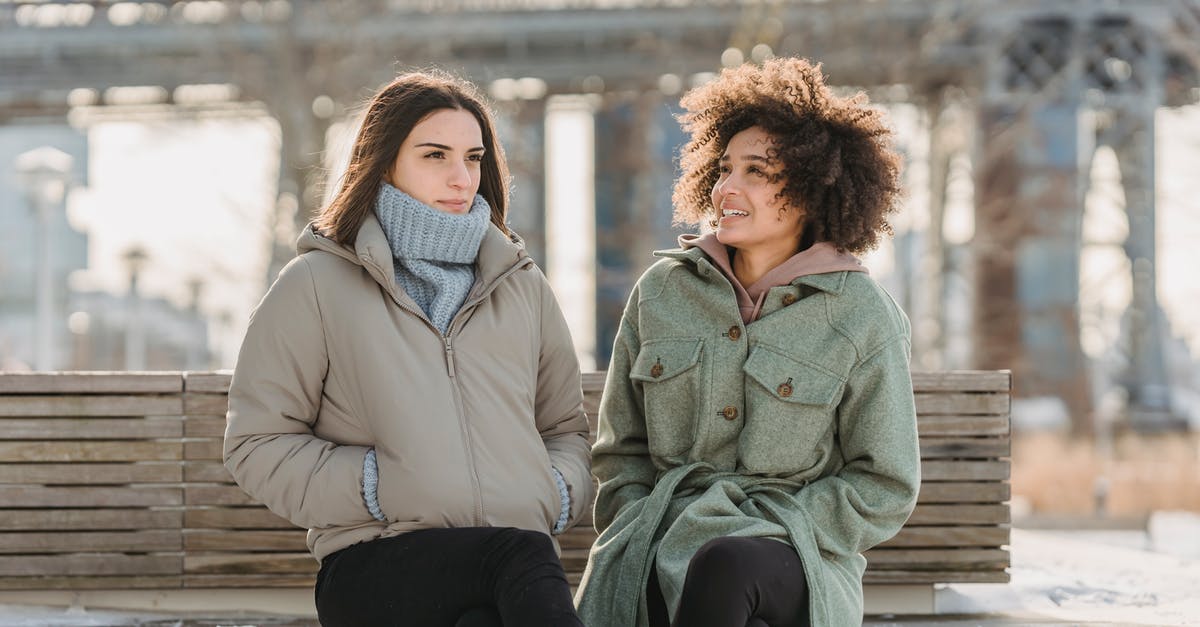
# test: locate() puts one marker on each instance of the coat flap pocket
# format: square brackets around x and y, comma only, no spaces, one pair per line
[790,380]
[659,360]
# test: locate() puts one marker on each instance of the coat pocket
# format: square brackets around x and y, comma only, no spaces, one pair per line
[791,407]
[670,381]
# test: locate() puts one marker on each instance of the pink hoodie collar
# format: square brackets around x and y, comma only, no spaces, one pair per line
[820,258]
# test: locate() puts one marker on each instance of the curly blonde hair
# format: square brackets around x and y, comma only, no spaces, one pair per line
[837,163]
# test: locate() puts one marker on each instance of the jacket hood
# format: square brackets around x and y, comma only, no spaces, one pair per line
[822,258]
[498,253]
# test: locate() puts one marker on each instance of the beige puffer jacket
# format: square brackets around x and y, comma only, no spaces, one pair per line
[466,427]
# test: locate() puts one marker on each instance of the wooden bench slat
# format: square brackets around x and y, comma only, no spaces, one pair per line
[234,518]
[947,470]
[962,381]
[950,536]
[206,472]
[92,474]
[90,564]
[249,581]
[959,515]
[216,495]
[964,448]
[249,563]
[873,576]
[89,428]
[78,405]
[118,582]
[963,492]
[961,403]
[950,425]
[205,404]
[290,540]
[83,519]
[209,449]
[204,426]
[157,540]
[90,496]
[13,383]
[207,382]
[937,559]
[90,451]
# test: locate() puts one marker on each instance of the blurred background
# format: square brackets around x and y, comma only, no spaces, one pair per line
[158,159]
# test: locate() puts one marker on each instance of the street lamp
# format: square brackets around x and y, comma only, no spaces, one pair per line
[44,173]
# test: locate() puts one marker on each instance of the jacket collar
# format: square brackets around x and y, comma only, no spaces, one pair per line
[830,282]
[498,254]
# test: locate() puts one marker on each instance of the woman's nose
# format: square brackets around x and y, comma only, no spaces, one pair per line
[460,177]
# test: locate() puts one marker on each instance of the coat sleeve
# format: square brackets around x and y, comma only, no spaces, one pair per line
[621,456]
[274,401]
[871,497]
[559,406]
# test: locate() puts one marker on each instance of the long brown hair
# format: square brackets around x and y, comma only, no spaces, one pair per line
[391,116]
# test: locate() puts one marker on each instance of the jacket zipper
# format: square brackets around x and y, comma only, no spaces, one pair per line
[458,403]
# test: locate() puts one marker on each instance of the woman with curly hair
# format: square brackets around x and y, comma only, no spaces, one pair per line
[757,431]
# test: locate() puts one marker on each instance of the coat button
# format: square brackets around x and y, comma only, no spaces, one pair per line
[785,389]
[788,299]
[656,370]
[730,413]
[734,333]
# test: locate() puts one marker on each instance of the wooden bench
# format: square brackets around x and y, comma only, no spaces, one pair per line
[114,481]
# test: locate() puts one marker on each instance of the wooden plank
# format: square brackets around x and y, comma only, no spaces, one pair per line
[943,425]
[157,540]
[92,474]
[90,564]
[205,404]
[91,583]
[249,564]
[216,495]
[290,540]
[949,536]
[959,515]
[957,470]
[207,449]
[963,492]
[204,426]
[207,382]
[90,496]
[962,403]
[874,576]
[938,559]
[963,381]
[84,451]
[66,405]
[234,518]
[83,519]
[206,472]
[89,428]
[249,581]
[965,448]
[91,383]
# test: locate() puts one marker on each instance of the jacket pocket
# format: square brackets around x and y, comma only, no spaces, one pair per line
[791,407]
[670,381]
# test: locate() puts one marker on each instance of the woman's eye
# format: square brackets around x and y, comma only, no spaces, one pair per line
[477,157]
[723,170]
[437,154]
[756,171]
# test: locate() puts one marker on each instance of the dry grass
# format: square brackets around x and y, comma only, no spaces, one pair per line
[1056,474]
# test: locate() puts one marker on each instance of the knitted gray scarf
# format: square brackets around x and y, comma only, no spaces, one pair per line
[433,251]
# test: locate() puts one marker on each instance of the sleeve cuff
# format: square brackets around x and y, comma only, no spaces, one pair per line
[371,485]
[564,501]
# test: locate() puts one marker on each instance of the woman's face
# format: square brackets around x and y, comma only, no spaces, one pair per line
[746,203]
[439,162]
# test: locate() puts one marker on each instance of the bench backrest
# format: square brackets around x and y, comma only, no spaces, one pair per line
[114,480]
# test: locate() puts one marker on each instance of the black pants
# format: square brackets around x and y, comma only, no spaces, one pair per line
[737,582]
[469,577]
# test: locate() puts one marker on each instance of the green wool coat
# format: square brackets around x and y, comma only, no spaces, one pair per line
[799,426]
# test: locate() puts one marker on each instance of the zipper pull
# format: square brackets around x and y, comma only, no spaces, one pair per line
[449,357]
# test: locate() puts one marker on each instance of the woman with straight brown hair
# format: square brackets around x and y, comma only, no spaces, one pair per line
[408,389]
